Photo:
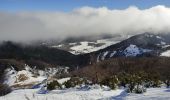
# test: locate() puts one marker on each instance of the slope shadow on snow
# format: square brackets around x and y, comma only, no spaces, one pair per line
[69,90]
[60,92]
[168,90]
[121,96]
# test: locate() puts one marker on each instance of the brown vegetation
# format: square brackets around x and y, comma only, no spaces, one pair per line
[154,68]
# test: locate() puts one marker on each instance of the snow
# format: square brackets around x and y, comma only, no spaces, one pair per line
[104,55]
[91,94]
[166,53]
[146,50]
[30,76]
[151,94]
[61,81]
[30,79]
[113,53]
[158,37]
[165,46]
[149,35]
[72,43]
[84,46]
[10,76]
[58,46]
[132,50]
[163,43]
[68,94]
[13,77]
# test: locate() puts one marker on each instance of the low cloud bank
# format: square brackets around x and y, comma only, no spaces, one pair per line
[85,21]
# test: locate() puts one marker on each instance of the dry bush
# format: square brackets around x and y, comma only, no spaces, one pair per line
[156,68]
[22,77]
[24,86]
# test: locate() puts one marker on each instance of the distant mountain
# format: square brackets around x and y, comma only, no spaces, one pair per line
[143,45]
[82,45]
[146,44]
[33,54]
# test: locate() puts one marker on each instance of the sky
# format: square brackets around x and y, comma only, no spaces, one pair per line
[68,5]
[27,20]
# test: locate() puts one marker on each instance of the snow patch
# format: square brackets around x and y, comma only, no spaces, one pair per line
[132,50]
[61,81]
[113,53]
[158,37]
[166,53]
[84,46]
[104,55]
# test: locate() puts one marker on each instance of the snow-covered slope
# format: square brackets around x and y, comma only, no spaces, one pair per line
[129,51]
[91,94]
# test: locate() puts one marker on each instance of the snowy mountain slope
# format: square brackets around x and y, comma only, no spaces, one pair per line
[130,51]
[146,44]
[149,44]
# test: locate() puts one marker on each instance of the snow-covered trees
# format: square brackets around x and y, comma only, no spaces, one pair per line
[112,82]
[74,81]
[54,85]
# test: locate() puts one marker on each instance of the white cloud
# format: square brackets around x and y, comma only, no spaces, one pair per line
[82,22]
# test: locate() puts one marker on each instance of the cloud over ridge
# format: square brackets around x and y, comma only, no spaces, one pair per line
[82,22]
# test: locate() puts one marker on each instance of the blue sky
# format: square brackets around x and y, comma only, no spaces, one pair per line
[67,5]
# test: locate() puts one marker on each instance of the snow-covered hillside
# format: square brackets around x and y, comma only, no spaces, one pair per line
[95,93]
[87,46]
[129,51]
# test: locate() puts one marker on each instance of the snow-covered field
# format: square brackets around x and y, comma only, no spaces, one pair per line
[84,47]
[85,94]
[87,46]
